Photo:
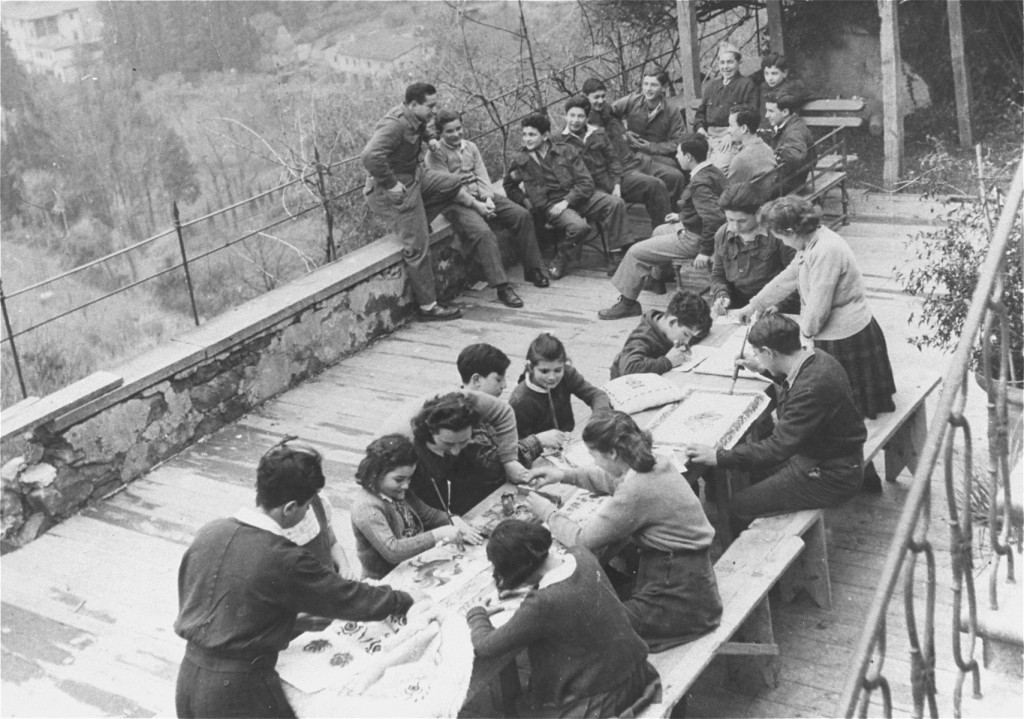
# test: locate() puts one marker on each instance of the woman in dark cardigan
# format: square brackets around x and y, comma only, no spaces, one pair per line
[585,658]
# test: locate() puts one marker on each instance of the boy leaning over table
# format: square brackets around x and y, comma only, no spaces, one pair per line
[242,584]
[814,455]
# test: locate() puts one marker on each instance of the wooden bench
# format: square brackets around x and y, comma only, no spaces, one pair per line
[749,568]
[790,550]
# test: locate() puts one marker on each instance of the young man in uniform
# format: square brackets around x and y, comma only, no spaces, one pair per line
[408,197]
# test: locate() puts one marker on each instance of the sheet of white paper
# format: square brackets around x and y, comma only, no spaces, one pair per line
[707,417]
[698,353]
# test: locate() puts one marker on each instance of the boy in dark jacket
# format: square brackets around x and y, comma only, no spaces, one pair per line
[662,339]
[691,240]
[552,181]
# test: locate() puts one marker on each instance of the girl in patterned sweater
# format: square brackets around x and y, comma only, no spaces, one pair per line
[391,524]
[543,398]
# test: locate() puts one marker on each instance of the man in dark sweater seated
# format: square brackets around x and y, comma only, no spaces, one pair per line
[813,457]
[241,586]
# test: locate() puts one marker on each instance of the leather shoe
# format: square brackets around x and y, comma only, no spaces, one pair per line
[537,277]
[508,296]
[654,286]
[559,265]
[439,313]
[621,309]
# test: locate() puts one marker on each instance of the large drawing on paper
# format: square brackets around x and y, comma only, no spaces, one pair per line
[707,417]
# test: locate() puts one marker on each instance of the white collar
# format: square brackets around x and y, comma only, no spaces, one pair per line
[588,133]
[535,388]
[258,519]
[699,167]
[559,573]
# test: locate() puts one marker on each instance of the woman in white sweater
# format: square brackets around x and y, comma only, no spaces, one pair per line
[834,312]
[676,596]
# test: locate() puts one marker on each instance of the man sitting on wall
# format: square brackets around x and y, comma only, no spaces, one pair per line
[459,156]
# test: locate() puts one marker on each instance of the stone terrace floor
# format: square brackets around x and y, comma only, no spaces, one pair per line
[87,608]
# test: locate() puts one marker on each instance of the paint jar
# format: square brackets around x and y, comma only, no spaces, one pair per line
[508,504]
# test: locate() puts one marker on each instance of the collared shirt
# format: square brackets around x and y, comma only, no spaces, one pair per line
[392,153]
[791,377]
[464,159]
[746,267]
[260,520]
[700,166]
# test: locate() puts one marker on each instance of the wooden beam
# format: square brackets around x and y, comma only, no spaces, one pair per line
[774,8]
[892,129]
[689,47]
[961,80]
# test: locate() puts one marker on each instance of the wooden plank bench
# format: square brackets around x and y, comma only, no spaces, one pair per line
[745,573]
[763,556]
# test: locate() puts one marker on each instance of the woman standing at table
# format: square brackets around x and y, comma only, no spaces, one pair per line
[834,312]
[585,658]
[676,596]
[392,524]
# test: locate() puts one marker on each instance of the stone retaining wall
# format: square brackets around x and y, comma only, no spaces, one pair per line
[181,392]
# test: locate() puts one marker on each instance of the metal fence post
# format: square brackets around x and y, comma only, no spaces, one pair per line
[10,338]
[184,262]
[322,189]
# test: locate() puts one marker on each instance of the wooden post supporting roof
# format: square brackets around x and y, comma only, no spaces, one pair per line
[961,80]
[774,8]
[689,47]
[892,128]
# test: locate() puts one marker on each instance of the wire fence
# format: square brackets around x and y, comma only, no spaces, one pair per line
[205,265]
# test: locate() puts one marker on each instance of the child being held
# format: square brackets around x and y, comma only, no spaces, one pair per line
[662,339]
[390,523]
[543,398]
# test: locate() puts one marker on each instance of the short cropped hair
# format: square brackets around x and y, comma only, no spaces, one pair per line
[384,454]
[741,197]
[691,310]
[790,214]
[774,59]
[775,332]
[418,91]
[785,100]
[290,471]
[538,121]
[695,145]
[660,75]
[592,85]
[453,411]
[481,359]
[746,116]
[446,116]
[580,101]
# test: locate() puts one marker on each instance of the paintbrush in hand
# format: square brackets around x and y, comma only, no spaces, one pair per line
[736,368]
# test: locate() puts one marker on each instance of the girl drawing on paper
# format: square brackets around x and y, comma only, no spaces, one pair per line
[675,598]
[390,523]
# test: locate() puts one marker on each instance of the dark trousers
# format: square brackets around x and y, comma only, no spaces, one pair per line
[210,687]
[409,217]
[667,170]
[483,244]
[798,483]
[648,190]
[607,210]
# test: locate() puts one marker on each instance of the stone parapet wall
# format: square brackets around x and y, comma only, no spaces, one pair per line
[181,392]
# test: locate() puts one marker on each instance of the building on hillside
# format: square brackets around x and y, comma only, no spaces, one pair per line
[366,59]
[53,38]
